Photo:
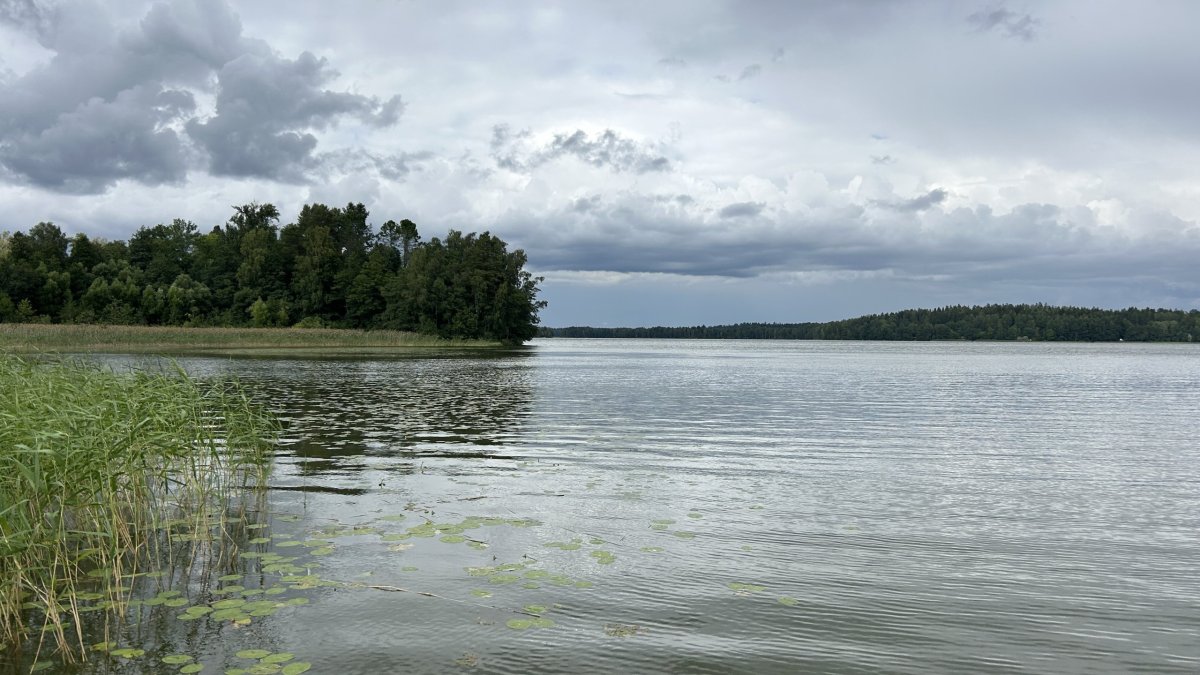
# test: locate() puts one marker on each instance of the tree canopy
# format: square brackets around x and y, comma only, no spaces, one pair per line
[989,322]
[329,268]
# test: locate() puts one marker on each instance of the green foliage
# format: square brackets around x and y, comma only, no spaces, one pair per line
[94,464]
[989,322]
[328,269]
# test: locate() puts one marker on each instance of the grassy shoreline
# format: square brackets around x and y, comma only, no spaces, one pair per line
[174,339]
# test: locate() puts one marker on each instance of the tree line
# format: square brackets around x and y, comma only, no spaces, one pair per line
[989,322]
[329,268]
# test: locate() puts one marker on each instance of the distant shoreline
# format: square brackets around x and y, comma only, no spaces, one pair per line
[1003,323]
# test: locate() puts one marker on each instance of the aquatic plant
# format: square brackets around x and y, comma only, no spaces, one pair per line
[100,473]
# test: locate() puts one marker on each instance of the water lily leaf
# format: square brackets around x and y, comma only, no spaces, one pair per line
[230,577]
[504,579]
[584,584]
[324,550]
[127,653]
[788,600]
[104,646]
[683,534]
[746,588]
[259,540]
[253,653]
[192,668]
[453,539]
[663,521]
[396,537]
[231,614]
[264,669]
[478,545]
[278,657]
[296,668]
[536,609]
[176,659]
[480,593]
[226,604]
[519,624]
[228,589]
[541,622]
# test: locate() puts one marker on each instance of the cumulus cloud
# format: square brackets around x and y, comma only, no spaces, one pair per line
[100,142]
[519,151]
[1006,22]
[119,101]
[266,107]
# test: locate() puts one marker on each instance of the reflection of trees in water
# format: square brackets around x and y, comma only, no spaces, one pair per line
[334,410]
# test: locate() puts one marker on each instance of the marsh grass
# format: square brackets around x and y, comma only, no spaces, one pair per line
[97,469]
[174,339]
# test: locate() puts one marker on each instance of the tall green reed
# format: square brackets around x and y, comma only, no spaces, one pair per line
[95,468]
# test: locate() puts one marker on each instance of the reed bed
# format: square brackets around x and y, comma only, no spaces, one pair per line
[159,339]
[96,469]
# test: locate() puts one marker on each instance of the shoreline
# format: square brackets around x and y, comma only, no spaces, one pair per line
[102,338]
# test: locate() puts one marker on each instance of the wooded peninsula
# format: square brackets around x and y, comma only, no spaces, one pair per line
[329,269]
[989,322]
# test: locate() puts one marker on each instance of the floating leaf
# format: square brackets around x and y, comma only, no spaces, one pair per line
[584,584]
[324,550]
[652,549]
[536,609]
[788,600]
[504,579]
[259,540]
[683,534]
[694,514]
[604,557]
[253,653]
[663,521]
[128,653]
[104,646]
[480,593]
[231,614]
[226,604]
[746,588]
[296,668]
[278,657]
[176,659]
[453,539]
[230,577]
[192,668]
[400,547]
[519,624]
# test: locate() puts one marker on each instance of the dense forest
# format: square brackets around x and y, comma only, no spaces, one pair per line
[329,268]
[990,322]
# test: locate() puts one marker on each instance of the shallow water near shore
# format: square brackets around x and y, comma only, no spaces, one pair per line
[713,507]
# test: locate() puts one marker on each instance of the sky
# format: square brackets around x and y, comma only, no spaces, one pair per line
[661,163]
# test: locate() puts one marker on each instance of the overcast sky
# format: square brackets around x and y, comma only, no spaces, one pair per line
[660,162]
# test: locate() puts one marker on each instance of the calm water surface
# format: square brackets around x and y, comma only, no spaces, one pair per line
[752,507]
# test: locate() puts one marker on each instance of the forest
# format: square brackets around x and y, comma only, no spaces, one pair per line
[989,322]
[330,268]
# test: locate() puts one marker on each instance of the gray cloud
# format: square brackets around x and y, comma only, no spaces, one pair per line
[266,107]
[751,71]
[742,210]
[37,18]
[883,159]
[928,200]
[608,149]
[1005,21]
[101,142]
[118,103]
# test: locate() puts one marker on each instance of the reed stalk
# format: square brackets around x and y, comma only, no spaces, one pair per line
[96,468]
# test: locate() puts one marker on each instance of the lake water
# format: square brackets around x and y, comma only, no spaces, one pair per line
[729,507]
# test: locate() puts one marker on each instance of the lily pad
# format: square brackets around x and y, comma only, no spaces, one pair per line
[230,577]
[788,600]
[278,657]
[259,540]
[253,653]
[684,534]
[192,668]
[127,653]
[453,539]
[324,550]
[519,624]
[296,668]
[177,659]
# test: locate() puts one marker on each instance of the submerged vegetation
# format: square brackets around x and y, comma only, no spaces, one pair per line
[989,322]
[330,268]
[96,470]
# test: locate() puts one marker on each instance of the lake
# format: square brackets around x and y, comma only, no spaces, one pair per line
[720,507]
